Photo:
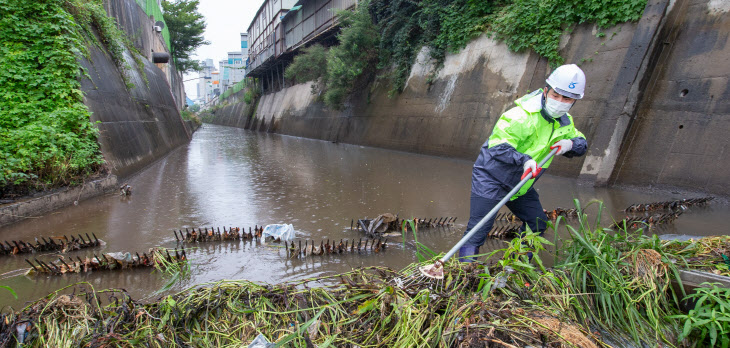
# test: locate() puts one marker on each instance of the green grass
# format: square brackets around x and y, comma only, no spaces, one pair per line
[603,280]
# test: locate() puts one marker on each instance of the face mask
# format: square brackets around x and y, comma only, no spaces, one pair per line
[555,108]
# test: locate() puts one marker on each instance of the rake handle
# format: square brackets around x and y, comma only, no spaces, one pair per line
[494,210]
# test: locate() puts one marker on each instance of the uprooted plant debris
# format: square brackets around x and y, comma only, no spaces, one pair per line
[606,286]
[358,308]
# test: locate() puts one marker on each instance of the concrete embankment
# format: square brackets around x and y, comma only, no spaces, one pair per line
[138,123]
[35,207]
[653,114]
[232,111]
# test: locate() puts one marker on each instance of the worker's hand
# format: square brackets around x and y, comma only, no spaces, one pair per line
[564,146]
[530,166]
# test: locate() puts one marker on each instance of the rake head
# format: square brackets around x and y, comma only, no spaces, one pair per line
[435,271]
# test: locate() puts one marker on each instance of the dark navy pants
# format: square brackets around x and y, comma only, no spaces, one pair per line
[526,207]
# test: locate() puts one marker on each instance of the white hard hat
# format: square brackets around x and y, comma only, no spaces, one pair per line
[568,80]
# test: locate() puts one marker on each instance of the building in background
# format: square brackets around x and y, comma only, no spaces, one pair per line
[206,87]
[266,33]
[224,72]
[244,47]
[215,84]
[233,70]
[281,27]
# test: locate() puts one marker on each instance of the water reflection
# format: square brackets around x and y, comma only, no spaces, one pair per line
[232,177]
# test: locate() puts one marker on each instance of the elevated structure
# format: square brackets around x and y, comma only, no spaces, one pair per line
[281,27]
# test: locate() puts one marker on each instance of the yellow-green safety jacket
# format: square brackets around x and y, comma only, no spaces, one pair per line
[521,133]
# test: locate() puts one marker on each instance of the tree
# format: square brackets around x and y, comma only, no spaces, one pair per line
[186,26]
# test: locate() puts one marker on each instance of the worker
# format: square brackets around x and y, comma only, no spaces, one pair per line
[522,136]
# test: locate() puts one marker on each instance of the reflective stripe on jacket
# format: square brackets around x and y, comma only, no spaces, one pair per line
[521,133]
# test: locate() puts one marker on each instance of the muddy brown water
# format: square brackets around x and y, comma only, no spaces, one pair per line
[233,177]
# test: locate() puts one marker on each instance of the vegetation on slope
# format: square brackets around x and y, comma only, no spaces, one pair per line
[46,138]
[404,27]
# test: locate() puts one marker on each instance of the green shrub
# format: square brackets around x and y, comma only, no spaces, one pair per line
[709,320]
[356,53]
[238,86]
[539,24]
[393,32]
[45,133]
[191,116]
[46,137]
[252,92]
[442,25]
[310,65]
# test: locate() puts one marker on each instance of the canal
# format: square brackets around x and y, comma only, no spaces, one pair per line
[233,177]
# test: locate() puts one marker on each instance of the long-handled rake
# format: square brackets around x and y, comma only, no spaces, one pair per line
[436,270]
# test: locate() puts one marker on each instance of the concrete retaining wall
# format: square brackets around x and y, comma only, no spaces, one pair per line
[455,114]
[33,208]
[636,71]
[679,134]
[234,112]
[140,124]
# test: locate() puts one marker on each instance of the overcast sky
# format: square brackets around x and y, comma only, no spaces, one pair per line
[226,20]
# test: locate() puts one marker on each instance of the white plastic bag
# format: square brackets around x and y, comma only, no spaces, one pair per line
[283,231]
[260,341]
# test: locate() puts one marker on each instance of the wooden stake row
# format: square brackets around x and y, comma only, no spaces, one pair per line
[215,235]
[297,250]
[361,224]
[104,262]
[551,214]
[681,204]
[63,244]
[638,222]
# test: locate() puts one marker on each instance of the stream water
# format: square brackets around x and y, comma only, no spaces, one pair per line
[233,177]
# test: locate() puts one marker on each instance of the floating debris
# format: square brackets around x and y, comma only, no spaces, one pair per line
[108,261]
[125,190]
[557,212]
[62,244]
[215,235]
[681,204]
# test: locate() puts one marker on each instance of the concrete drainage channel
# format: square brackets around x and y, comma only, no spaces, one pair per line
[34,207]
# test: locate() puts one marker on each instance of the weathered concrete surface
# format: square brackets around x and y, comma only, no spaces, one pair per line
[234,112]
[679,135]
[35,207]
[140,124]
[624,94]
[139,29]
[455,114]
[640,128]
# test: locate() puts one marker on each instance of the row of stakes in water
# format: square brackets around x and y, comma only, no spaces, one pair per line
[551,214]
[212,235]
[62,244]
[419,223]
[644,221]
[234,234]
[104,262]
[298,250]
[680,204]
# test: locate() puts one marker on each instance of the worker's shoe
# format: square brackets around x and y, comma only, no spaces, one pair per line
[466,251]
